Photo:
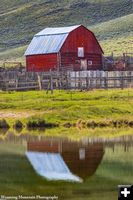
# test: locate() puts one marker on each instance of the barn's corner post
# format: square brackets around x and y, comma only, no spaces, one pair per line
[59,62]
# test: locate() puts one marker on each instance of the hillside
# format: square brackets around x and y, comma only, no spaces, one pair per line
[114,28]
[115,35]
[21,19]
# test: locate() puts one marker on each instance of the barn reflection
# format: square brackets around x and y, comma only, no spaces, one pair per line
[82,158]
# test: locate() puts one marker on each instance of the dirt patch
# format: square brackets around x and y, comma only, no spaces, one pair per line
[15,115]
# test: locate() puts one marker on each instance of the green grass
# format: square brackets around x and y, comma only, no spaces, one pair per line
[13,55]
[115,35]
[117,45]
[18,177]
[115,28]
[111,21]
[73,106]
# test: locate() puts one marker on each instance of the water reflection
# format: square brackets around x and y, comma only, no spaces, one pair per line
[82,157]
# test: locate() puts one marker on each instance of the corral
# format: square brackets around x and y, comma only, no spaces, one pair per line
[83,80]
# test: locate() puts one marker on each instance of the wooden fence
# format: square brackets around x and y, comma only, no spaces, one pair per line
[83,80]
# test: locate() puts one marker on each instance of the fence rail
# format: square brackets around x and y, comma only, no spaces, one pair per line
[15,80]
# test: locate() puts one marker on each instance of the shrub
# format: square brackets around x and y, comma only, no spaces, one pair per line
[120,123]
[91,124]
[18,125]
[67,125]
[4,124]
[130,123]
[37,122]
[103,124]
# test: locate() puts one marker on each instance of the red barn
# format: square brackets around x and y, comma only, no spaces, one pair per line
[73,47]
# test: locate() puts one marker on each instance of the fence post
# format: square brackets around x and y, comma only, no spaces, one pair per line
[106,80]
[87,82]
[121,81]
[39,81]
[51,83]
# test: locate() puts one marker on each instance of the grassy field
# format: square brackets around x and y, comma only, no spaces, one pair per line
[111,21]
[13,55]
[117,45]
[115,35]
[68,106]
[17,176]
[114,28]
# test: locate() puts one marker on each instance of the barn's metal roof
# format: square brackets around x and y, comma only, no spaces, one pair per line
[46,44]
[49,40]
[53,31]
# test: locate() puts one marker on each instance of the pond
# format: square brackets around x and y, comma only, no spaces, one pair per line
[46,167]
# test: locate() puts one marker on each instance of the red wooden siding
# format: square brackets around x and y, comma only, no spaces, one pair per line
[72,60]
[81,37]
[41,62]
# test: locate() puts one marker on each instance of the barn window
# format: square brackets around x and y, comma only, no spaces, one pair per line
[80,51]
[89,62]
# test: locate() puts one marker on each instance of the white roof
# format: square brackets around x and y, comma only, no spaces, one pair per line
[49,40]
[60,30]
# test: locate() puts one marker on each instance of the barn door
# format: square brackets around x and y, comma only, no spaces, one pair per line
[83,65]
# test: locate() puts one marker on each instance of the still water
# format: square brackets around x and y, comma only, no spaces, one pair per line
[90,168]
